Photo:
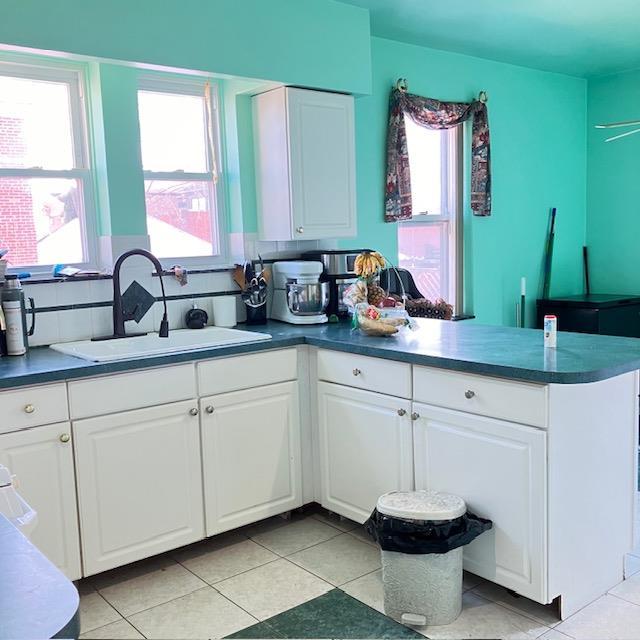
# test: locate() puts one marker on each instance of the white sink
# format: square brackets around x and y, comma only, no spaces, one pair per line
[152,345]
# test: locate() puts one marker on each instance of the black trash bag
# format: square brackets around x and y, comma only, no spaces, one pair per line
[424,536]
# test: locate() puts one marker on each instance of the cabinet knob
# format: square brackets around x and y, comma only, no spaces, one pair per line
[468,394]
[209,409]
[29,408]
[65,437]
[356,372]
[299,229]
[193,412]
[415,416]
[402,412]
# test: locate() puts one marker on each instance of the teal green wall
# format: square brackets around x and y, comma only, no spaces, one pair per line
[118,157]
[240,168]
[538,147]
[538,119]
[613,213]
[316,43]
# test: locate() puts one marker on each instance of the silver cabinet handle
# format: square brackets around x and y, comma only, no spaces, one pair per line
[209,409]
[29,408]
[65,437]
[194,411]
[415,416]
[402,412]
[356,372]
[299,229]
[468,394]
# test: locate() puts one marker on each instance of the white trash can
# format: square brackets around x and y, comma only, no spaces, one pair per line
[423,588]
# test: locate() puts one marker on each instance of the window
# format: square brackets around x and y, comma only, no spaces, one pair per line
[179,140]
[429,244]
[45,182]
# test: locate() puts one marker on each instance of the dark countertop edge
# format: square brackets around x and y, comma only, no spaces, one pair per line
[480,368]
[93,369]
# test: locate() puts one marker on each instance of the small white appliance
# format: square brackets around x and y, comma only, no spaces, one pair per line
[13,506]
[298,295]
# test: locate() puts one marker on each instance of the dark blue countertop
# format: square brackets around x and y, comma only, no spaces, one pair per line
[36,600]
[505,352]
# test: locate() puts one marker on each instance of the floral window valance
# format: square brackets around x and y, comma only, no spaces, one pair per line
[434,114]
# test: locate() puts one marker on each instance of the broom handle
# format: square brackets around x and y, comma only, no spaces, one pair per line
[549,256]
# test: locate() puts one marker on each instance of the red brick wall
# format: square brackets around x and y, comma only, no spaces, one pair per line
[17,230]
[175,209]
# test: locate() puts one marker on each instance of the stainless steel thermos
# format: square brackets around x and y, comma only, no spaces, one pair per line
[14,310]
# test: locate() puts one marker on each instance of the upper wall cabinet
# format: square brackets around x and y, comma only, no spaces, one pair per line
[305,164]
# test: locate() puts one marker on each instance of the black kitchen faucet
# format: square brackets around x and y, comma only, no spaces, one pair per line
[118,313]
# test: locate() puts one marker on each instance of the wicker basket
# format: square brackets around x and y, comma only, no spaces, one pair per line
[423,308]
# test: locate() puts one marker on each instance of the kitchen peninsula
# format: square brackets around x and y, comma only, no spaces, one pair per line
[541,441]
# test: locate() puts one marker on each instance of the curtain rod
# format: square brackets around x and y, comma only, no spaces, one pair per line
[403,85]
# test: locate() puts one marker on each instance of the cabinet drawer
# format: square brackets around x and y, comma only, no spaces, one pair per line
[122,392]
[33,406]
[246,372]
[362,372]
[483,395]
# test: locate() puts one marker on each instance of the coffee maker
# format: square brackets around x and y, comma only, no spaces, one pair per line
[338,271]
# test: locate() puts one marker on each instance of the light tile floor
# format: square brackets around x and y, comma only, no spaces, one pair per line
[228,583]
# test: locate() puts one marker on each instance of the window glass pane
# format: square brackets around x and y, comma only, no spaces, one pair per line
[172,132]
[40,220]
[425,165]
[35,124]
[422,250]
[179,218]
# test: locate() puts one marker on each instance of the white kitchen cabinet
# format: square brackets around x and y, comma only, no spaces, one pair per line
[365,446]
[139,483]
[41,458]
[499,468]
[251,455]
[305,164]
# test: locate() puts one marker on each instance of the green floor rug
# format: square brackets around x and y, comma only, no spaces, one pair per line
[332,615]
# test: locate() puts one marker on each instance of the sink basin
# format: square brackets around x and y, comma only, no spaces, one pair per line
[152,345]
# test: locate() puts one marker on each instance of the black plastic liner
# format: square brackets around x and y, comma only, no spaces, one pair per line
[424,536]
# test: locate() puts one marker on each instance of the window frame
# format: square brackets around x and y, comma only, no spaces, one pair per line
[195,86]
[451,222]
[76,76]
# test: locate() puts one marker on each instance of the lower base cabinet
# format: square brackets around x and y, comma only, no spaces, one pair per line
[499,468]
[42,461]
[251,455]
[139,483]
[366,448]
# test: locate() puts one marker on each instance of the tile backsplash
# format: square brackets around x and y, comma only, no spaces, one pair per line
[68,311]
[80,310]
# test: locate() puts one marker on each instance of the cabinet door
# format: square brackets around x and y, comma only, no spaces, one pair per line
[499,468]
[42,461]
[139,484]
[321,164]
[251,455]
[365,448]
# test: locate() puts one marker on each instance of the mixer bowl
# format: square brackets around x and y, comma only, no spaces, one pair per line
[307,299]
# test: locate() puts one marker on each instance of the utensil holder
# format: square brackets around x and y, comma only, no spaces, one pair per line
[256,314]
